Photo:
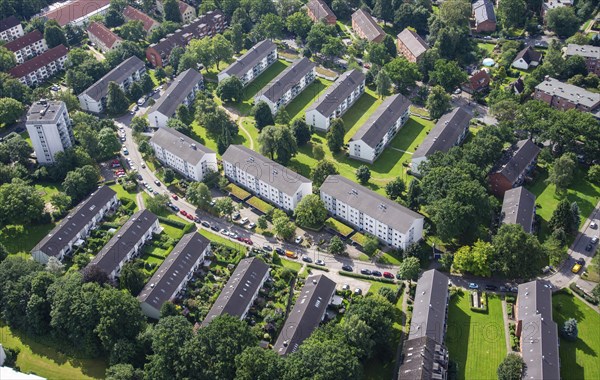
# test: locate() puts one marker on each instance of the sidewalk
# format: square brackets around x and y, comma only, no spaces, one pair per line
[506,327]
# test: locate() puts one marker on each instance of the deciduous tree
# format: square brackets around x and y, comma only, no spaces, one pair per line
[409,268]
[310,211]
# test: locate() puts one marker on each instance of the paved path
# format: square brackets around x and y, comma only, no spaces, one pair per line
[506,328]
[139,199]
[399,150]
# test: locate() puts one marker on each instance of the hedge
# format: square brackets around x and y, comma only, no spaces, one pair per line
[313,266]
[171,222]
[370,278]
[109,183]
[583,294]
[339,227]
[359,239]
[237,192]
[108,225]
[260,205]
[484,304]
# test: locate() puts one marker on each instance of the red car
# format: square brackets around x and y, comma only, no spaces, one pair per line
[189,216]
[174,196]
[388,275]
[249,241]
[183,212]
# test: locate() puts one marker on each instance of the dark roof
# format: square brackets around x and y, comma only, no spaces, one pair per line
[125,69]
[518,207]
[177,92]
[249,59]
[445,133]
[104,34]
[413,42]
[429,310]
[529,55]
[75,10]
[421,358]
[38,62]
[266,170]
[117,248]
[337,92]
[371,203]
[306,315]
[379,123]
[534,298]
[172,272]
[45,111]
[237,294]
[319,9]
[73,223]
[9,22]
[183,146]
[518,85]
[287,79]
[24,41]
[516,159]
[483,10]
[369,27]
[132,13]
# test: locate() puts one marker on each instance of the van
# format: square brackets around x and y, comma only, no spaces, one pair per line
[291,255]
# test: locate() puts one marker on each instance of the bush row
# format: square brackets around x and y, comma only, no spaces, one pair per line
[171,222]
[583,294]
[313,266]
[370,278]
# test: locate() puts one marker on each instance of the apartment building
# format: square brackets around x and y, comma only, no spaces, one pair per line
[182,90]
[265,178]
[10,29]
[379,130]
[518,207]
[94,98]
[174,273]
[27,46]
[187,12]
[71,232]
[564,96]
[366,27]
[484,16]
[126,243]
[103,37]
[287,85]
[306,315]
[207,25]
[424,355]
[513,167]
[553,4]
[38,69]
[252,63]
[49,127]
[77,12]
[450,130]
[411,45]
[183,154]
[336,100]
[241,290]
[369,212]
[590,53]
[132,14]
[318,11]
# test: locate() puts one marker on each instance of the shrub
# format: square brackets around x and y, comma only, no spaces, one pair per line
[370,278]
[172,223]
[583,294]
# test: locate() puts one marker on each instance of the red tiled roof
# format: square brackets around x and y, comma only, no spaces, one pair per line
[39,61]
[75,10]
[104,34]
[131,13]
[479,80]
[24,41]
[183,7]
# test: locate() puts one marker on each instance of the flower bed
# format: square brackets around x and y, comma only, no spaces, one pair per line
[339,227]
[260,205]
[237,192]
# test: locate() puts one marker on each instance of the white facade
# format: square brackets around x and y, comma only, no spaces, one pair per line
[289,95]
[523,65]
[35,48]
[253,72]
[36,76]
[49,135]
[12,33]
[322,122]
[175,160]
[160,113]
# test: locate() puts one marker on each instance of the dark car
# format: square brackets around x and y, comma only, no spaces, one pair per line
[196,219]
[589,247]
[490,287]
[376,273]
[366,272]
[206,224]
[503,289]
[174,208]
[214,228]
[306,259]
[267,248]
[347,268]
[581,261]
[280,251]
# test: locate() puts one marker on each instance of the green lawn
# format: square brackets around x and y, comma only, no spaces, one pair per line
[580,359]
[258,84]
[121,193]
[298,106]
[46,190]
[475,341]
[487,47]
[360,112]
[24,240]
[221,240]
[291,265]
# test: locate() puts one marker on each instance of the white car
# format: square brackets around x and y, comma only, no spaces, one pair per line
[224,232]
[595,240]
[244,221]
[593,224]
[251,226]
[141,101]
[233,235]
[298,240]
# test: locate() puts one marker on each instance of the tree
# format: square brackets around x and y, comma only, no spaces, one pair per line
[508,244]
[409,268]
[395,188]
[116,103]
[370,244]
[286,146]
[511,367]
[299,24]
[562,218]
[321,171]
[438,102]
[512,13]
[61,202]
[282,225]
[123,372]
[475,260]
[310,211]
[302,132]
[139,124]
[108,144]
[570,330]
[225,206]
[594,174]
[168,175]
[7,59]
[19,203]
[561,173]
[336,246]
[383,84]
[262,115]
[282,117]
[342,9]
[555,250]
[318,152]
[268,141]
[447,74]
[363,174]
[171,11]
[3,252]
[318,36]
[184,115]
[167,340]
[80,182]
[595,292]
[562,21]
[230,90]
[262,222]
[132,278]
[158,203]
[335,135]
[378,313]
[576,215]
[10,110]
[222,49]
[269,26]
[55,267]
[377,54]
[54,35]
[199,195]
[413,15]
[120,317]
[402,73]
[133,30]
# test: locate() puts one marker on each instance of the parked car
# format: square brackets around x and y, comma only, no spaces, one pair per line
[279,251]
[320,262]
[251,226]
[157,182]
[576,268]
[190,216]
[196,219]
[174,208]
[183,212]
[125,152]
[589,247]
[143,165]
[236,216]
[388,275]
[233,235]
[214,228]
[298,240]
[141,101]
[223,231]
[346,287]
[491,287]
[174,196]
[347,268]
[593,224]
[365,271]
[595,240]
[358,291]
[473,285]
[503,289]
[291,255]
[306,259]
[205,224]
[581,261]
[376,273]
[244,221]
[267,248]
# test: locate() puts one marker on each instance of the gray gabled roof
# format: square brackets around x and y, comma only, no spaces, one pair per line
[180,145]
[413,42]
[587,51]
[249,59]
[73,223]
[420,359]
[365,22]
[287,79]
[177,92]
[518,207]
[125,69]
[483,10]
[306,315]
[514,161]
[370,203]
[570,92]
[319,9]
[445,133]
[171,273]
[237,294]
[337,92]
[429,310]
[379,123]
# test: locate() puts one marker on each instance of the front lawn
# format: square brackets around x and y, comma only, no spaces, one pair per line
[221,240]
[23,239]
[260,205]
[360,111]
[237,191]
[339,227]
[297,107]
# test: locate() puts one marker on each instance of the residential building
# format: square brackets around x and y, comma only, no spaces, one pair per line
[188,12]
[27,46]
[183,154]
[514,166]
[527,58]
[538,333]
[75,227]
[132,14]
[336,100]
[182,90]
[77,12]
[306,315]
[38,69]
[207,25]
[553,4]
[411,45]
[265,178]
[241,290]
[372,213]
[518,207]
[49,127]
[252,63]
[564,96]
[103,37]
[478,82]
[126,243]
[484,16]
[14,374]
[380,128]
[424,355]
[10,29]
[130,70]
[287,85]
[174,273]
[366,27]
[450,130]
[590,53]
[518,86]
[318,11]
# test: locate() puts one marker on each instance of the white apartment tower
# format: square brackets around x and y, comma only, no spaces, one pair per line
[49,128]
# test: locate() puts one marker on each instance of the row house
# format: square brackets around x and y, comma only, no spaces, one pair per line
[366,27]
[38,69]
[411,45]
[318,11]
[103,37]
[50,129]
[132,14]
[77,12]
[514,167]
[518,207]
[565,96]
[28,46]
[75,227]
[10,29]
[591,55]
[265,178]
[336,100]
[252,63]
